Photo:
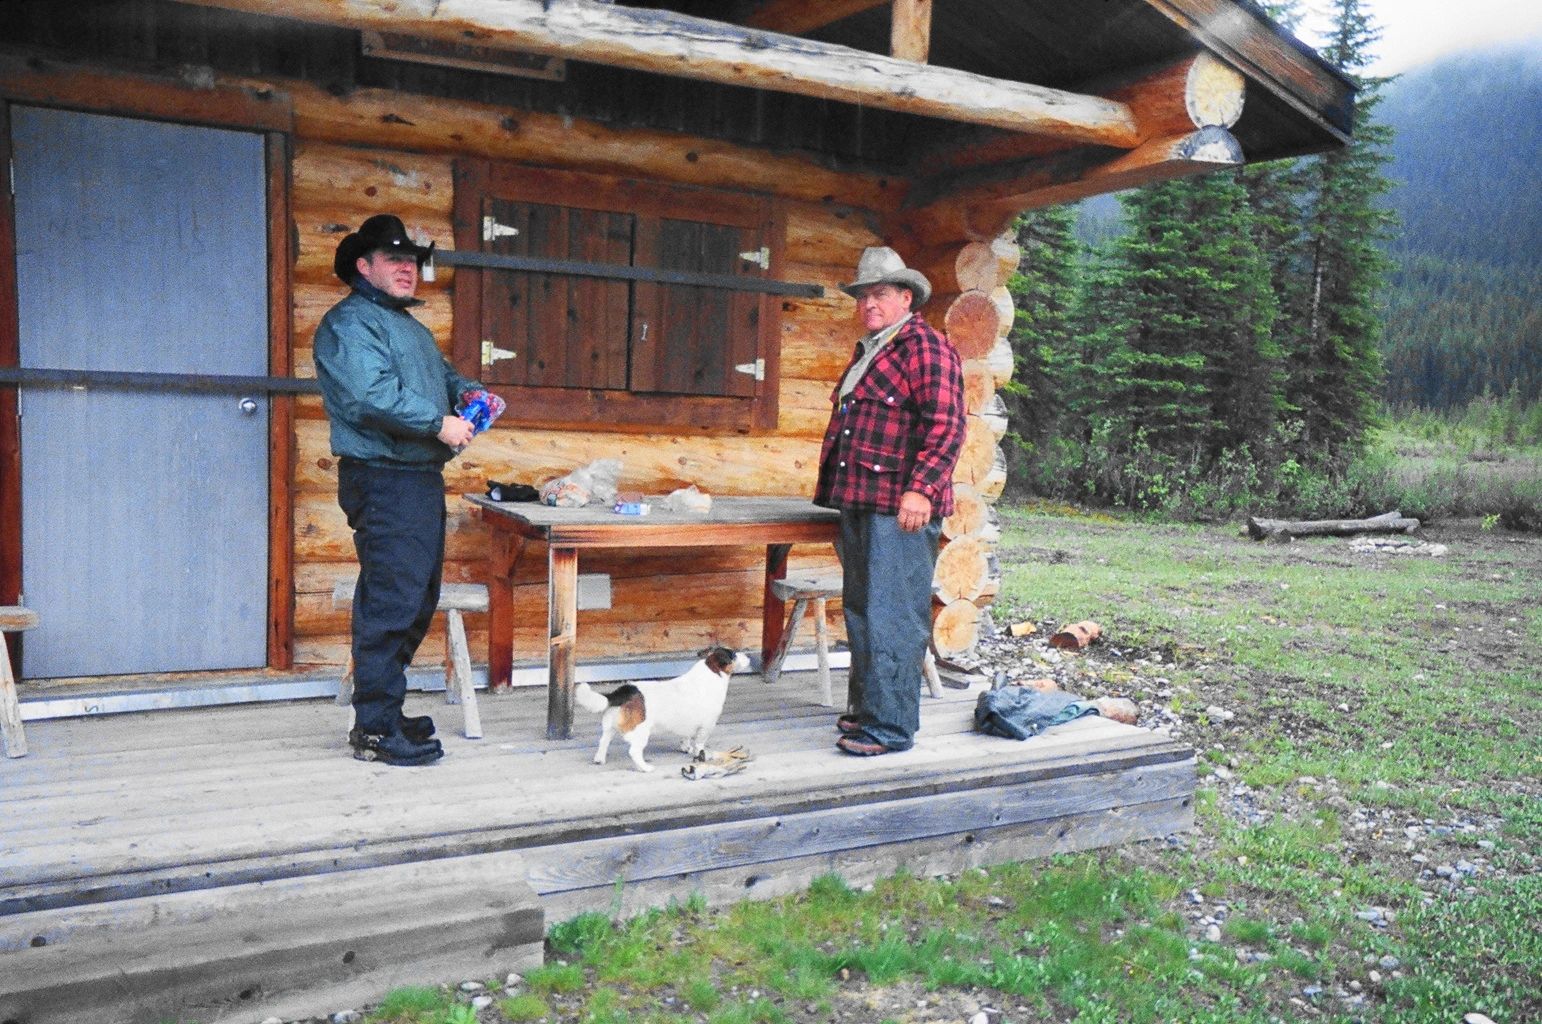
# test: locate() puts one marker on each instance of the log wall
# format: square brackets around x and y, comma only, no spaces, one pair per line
[363,151]
[356,157]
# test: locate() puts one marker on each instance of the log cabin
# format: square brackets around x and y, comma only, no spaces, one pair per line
[642,216]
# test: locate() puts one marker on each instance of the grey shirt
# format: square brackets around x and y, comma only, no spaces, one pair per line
[871,344]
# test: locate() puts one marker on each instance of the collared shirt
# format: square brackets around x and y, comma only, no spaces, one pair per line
[868,348]
[900,429]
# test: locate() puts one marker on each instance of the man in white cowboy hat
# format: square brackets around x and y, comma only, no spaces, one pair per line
[887,463]
[390,395]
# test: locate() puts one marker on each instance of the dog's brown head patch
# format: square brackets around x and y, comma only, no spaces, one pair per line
[720,659]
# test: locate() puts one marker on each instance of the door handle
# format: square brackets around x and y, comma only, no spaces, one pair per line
[248,406]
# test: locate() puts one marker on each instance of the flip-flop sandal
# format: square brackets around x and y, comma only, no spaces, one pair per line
[859,745]
[848,724]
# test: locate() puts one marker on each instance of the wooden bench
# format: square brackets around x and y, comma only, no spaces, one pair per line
[455,599]
[13,619]
[806,591]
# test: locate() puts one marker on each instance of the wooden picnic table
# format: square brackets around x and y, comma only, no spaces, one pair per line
[776,522]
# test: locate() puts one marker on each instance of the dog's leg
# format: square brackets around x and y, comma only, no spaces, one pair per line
[607,730]
[697,744]
[636,743]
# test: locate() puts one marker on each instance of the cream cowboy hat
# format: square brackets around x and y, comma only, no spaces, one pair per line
[881,265]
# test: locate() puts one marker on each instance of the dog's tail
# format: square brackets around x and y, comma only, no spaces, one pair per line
[588,699]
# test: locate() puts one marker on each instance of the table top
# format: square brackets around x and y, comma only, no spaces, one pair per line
[764,519]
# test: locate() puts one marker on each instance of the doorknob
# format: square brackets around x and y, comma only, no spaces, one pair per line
[247,406]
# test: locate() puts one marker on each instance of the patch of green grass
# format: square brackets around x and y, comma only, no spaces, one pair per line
[701,995]
[527,1006]
[413,1005]
[1482,953]
[555,978]
[753,1011]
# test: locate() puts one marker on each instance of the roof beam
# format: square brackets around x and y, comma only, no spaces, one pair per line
[799,17]
[1244,36]
[666,43]
[992,196]
[910,30]
[1169,99]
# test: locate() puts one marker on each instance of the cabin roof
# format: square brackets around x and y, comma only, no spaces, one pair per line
[1010,104]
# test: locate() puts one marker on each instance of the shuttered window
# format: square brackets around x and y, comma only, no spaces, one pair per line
[622,332]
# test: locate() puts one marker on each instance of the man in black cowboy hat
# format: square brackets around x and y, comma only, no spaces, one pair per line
[887,463]
[390,395]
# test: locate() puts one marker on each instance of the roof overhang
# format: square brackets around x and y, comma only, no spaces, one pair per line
[1001,140]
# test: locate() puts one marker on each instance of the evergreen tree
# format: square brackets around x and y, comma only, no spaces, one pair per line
[1044,344]
[1336,372]
[1196,368]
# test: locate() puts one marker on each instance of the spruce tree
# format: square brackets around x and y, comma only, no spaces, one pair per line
[1046,351]
[1336,373]
[1196,369]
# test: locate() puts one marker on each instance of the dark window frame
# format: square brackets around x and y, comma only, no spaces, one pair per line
[478,181]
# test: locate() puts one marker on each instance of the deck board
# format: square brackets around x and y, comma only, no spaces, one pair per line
[114,821]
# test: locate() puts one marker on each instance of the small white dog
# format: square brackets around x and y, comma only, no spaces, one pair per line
[687,705]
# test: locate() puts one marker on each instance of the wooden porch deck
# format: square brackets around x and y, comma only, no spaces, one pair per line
[233,863]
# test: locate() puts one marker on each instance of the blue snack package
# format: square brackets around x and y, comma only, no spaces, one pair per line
[480,409]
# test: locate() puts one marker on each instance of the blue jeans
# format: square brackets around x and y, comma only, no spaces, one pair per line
[887,599]
[398,520]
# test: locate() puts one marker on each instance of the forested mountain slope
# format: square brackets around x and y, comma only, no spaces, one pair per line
[1464,311]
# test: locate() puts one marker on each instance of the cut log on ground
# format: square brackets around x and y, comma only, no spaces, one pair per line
[1076,636]
[1387,522]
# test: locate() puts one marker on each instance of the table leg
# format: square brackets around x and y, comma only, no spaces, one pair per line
[504,552]
[562,616]
[774,617]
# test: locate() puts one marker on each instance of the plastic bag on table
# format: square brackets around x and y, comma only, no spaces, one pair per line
[592,484]
[687,499]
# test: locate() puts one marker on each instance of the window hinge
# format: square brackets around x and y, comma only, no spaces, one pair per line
[492,230]
[492,353]
[760,257]
[757,369]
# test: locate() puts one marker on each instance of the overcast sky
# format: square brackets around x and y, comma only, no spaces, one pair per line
[1414,32]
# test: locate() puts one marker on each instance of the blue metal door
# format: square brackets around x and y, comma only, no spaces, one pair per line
[141,246]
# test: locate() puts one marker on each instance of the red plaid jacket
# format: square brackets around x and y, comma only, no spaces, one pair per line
[900,429]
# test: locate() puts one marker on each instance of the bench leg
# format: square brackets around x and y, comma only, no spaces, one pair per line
[822,649]
[10,708]
[345,690]
[458,660]
[929,670]
[773,669]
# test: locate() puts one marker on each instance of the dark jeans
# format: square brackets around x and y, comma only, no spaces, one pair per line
[887,596]
[398,518]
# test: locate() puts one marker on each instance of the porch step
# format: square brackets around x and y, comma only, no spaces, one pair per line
[286,948]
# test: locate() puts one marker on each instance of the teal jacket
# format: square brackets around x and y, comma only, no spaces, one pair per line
[385,385]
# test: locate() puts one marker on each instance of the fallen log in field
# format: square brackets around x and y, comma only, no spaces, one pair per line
[1387,522]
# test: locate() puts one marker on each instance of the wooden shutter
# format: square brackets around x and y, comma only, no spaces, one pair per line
[695,340]
[579,352]
[552,330]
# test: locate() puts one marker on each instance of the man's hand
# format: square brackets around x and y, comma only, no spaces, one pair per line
[456,432]
[915,511]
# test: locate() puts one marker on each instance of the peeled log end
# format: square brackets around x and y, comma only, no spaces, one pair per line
[955,629]
[1214,92]
[978,455]
[962,567]
[972,323]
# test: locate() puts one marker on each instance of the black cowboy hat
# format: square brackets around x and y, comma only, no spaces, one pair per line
[382,232]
